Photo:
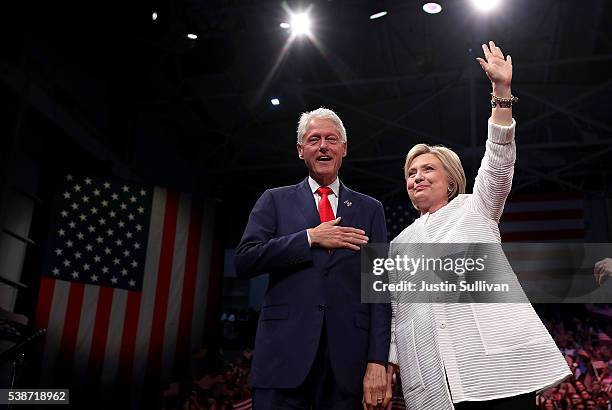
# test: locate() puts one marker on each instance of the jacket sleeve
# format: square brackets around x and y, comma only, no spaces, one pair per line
[380,313]
[260,250]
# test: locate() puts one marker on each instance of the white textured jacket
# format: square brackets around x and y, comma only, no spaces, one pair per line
[486,351]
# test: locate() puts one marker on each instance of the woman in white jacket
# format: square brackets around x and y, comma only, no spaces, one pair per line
[469,355]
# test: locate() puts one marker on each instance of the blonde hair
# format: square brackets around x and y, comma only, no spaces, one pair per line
[450,161]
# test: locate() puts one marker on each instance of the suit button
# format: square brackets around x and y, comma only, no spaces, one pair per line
[321,307]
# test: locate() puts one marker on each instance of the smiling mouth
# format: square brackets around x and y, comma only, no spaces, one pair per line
[324,158]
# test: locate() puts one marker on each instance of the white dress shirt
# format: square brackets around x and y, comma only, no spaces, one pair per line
[333,198]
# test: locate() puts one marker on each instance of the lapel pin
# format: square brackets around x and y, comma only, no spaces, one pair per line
[348,203]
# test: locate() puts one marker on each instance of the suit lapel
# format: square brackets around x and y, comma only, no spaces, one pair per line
[346,206]
[307,205]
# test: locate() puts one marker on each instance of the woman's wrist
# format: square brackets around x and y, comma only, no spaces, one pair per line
[502,90]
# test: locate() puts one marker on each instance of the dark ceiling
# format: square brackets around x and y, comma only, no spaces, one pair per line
[196,114]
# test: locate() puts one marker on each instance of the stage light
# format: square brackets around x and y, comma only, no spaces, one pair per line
[485,5]
[285,25]
[300,24]
[154,16]
[432,8]
[275,101]
[378,15]
[192,36]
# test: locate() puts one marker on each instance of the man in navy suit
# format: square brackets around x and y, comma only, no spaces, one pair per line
[317,345]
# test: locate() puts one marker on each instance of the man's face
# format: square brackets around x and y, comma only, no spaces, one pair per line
[322,149]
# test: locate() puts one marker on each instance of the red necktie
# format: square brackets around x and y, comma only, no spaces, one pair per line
[326,213]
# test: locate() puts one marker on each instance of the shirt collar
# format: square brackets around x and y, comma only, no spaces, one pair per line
[335,186]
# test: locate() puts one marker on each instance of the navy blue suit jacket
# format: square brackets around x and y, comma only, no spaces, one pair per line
[307,285]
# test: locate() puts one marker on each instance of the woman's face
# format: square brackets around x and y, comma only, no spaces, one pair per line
[427,183]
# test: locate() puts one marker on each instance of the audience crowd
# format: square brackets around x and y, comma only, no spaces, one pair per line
[582,333]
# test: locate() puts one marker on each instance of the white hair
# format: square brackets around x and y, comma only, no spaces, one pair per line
[320,113]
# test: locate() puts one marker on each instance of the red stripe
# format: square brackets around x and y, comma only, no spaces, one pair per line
[100,334]
[543,235]
[183,340]
[160,309]
[45,297]
[543,215]
[128,339]
[547,197]
[71,327]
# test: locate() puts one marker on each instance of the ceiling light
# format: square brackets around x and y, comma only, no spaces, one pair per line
[275,101]
[378,15]
[285,25]
[192,36]
[432,8]
[154,16]
[300,24]
[485,5]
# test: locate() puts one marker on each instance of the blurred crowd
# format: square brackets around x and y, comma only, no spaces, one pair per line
[220,381]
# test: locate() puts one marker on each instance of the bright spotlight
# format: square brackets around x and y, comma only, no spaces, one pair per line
[154,16]
[432,8]
[485,5]
[300,24]
[378,15]
[192,36]
[285,25]
[275,101]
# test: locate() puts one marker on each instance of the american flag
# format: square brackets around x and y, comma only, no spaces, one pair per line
[124,286]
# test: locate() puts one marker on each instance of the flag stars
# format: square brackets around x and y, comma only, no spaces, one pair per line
[124,272]
[69,244]
[102,221]
[94,278]
[125,188]
[72,224]
[77,255]
[115,196]
[91,228]
[116,261]
[99,239]
[86,266]
[140,210]
[85,198]
[75,206]
[80,236]
[134,264]
[96,192]
[136,245]
[96,258]
[58,251]
[128,235]
[119,242]
[110,232]
[123,206]
[75,274]
[69,177]
[139,227]
[94,211]
[143,192]
[66,195]
[55,271]
[121,224]
[132,283]
[104,269]
[106,185]
[114,280]
[64,214]
[66,263]
[82,217]
[126,253]
[104,203]
[113,214]
[107,251]
[131,217]
[132,199]
[77,188]
[61,232]
[87,181]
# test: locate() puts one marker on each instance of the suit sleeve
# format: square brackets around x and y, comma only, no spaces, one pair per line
[380,313]
[260,250]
